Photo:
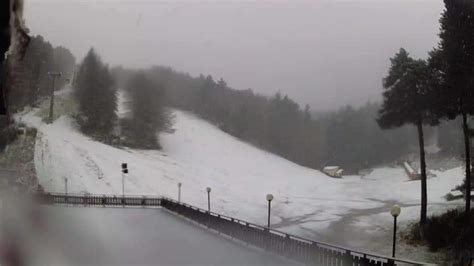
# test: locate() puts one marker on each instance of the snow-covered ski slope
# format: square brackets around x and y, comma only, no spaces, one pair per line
[198,155]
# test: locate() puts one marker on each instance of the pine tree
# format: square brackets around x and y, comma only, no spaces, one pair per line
[456,50]
[206,97]
[64,62]
[407,100]
[96,96]
[148,115]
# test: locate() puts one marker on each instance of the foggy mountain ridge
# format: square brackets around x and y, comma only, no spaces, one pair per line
[323,53]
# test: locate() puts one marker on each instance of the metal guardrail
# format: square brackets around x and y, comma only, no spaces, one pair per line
[100,200]
[303,250]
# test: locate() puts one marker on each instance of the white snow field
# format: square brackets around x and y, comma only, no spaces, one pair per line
[198,154]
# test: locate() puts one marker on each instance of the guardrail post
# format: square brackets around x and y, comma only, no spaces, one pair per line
[232,227]
[287,245]
[219,231]
[391,262]
[365,260]
[248,235]
[264,239]
[347,259]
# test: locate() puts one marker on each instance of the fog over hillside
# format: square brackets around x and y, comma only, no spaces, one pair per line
[313,131]
[323,53]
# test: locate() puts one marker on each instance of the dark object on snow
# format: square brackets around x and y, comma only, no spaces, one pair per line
[124,168]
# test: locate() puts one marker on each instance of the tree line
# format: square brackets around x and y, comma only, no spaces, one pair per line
[95,91]
[276,123]
[29,80]
[349,137]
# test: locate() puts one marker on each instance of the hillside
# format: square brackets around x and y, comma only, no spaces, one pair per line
[198,154]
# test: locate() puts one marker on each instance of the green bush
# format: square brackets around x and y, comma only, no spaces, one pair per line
[449,231]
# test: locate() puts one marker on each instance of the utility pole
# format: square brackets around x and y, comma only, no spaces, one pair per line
[54,75]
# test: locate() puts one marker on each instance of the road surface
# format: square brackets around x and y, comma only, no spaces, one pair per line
[129,236]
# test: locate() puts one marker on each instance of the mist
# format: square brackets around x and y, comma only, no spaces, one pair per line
[204,132]
[323,53]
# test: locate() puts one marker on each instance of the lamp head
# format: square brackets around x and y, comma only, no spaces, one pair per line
[395,210]
[208,189]
[269,197]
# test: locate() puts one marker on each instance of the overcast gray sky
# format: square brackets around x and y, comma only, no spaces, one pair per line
[324,53]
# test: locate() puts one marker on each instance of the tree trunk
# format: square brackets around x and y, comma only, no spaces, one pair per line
[467,152]
[424,196]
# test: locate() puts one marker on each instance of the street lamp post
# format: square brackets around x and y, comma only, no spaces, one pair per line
[179,192]
[269,199]
[394,211]
[208,189]
[54,75]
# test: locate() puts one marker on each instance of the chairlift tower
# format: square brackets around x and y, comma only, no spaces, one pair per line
[54,75]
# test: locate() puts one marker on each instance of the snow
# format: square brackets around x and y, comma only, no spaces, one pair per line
[123,105]
[432,149]
[198,155]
